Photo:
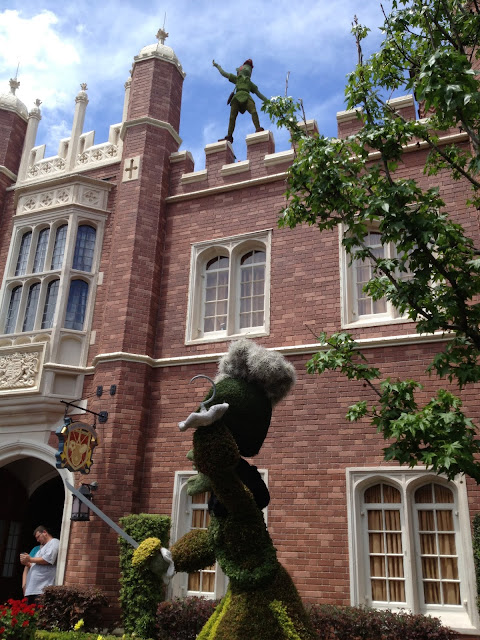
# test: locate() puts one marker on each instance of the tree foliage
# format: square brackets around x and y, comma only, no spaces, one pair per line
[430,49]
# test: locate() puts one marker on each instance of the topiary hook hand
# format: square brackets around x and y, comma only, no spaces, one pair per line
[204,416]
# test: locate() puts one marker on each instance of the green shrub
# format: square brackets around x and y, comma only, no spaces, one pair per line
[362,623]
[476,552]
[63,607]
[77,635]
[183,619]
[141,590]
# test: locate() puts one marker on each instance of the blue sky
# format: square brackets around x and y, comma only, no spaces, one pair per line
[61,44]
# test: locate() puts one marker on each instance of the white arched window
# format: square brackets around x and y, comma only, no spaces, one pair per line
[229,288]
[410,544]
[358,307]
[216,294]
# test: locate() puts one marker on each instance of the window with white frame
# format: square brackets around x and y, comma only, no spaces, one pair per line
[191,512]
[229,287]
[49,258]
[188,513]
[410,544]
[358,306]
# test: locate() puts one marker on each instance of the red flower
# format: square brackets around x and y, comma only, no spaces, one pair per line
[2,629]
[25,623]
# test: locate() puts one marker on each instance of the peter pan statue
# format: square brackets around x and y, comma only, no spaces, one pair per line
[240,99]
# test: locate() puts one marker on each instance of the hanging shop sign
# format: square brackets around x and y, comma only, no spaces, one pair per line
[76,442]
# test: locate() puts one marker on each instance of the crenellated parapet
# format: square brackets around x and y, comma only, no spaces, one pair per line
[221,168]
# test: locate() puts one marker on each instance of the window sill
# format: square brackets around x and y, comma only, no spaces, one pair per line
[224,338]
[371,321]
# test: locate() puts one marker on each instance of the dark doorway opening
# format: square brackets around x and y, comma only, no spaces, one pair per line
[21,513]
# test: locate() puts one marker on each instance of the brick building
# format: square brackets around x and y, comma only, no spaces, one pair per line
[124,266]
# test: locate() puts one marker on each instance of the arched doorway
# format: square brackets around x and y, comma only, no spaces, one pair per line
[35,495]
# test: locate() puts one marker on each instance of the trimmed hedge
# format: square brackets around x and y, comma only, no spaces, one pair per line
[183,619]
[141,589]
[63,607]
[76,635]
[362,623]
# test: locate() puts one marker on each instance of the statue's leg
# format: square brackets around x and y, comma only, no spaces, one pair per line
[251,108]
[233,119]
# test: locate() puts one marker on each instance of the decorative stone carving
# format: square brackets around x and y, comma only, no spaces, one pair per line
[90,197]
[97,154]
[19,370]
[46,199]
[46,167]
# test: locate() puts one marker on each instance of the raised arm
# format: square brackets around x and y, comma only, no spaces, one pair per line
[225,74]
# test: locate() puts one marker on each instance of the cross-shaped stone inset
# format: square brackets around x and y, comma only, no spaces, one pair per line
[131,167]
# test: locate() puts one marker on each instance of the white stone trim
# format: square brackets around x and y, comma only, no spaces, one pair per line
[272,159]
[216,147]
[23,448]
[194,176]
[244,184]
[347,115]
[258,136]
[235,167]
[288,350]
[8,173]
[401,102]
[160,124]
[180,156]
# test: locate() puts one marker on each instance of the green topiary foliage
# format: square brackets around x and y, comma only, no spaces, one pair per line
[262,602]
[141,589]
[476,552]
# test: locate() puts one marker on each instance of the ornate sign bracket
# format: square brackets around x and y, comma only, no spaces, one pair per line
[102,416]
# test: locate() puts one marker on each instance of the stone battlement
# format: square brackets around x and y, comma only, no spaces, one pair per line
[222,170]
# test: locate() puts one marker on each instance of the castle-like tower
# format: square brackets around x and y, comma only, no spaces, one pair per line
[125,272]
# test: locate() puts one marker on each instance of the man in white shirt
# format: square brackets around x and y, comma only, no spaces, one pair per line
[42,566]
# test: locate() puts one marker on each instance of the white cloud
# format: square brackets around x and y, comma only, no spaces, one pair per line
[95,42]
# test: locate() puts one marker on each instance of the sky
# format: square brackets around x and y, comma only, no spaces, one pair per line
[59,44]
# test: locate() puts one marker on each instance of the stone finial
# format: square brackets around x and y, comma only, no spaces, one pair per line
[82,96]
[14,84]
[35,112]
[128,83]
[161,36]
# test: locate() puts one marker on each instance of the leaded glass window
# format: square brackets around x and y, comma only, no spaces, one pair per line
[59,248]
[41,250]
[50,304]
[13,307]
[31,309]
[23,254]
[76,305]
[84,248]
